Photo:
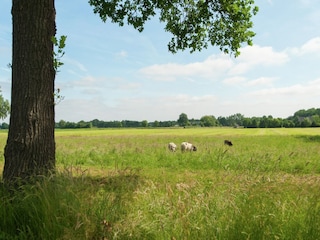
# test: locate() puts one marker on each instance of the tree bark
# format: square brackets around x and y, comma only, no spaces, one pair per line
[30,148]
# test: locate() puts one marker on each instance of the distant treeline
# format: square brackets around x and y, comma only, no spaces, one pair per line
[301,118]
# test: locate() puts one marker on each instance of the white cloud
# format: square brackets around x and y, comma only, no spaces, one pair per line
[309,89]
[210,68]
[215,66]
[103,87]
[255,55]
[184,99]
[234,80]
[129,86]
[168,107]
[261,81]
[242,81]
[87,81]
[82,109]
[312,46]
[137,108]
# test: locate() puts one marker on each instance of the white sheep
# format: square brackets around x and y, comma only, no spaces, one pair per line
[172,147]
[185,146]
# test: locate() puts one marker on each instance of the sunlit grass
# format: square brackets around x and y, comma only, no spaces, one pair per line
[254,149]
[125,184]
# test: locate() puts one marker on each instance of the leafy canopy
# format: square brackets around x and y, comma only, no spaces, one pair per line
[4,107]
[183,120]
[194,24]
[59,53]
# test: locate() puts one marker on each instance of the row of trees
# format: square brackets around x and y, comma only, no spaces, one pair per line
[301,118]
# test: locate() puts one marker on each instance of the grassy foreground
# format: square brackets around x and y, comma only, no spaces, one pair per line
[125,184]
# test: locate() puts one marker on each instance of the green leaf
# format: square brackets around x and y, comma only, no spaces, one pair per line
[194,24]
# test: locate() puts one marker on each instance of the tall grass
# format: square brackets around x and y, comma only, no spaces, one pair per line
[228,206]
[69,205]
[44,210]
[125,184]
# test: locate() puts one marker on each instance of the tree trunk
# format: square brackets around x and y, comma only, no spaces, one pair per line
[30,148]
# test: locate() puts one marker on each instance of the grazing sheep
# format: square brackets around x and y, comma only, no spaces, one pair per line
[227,142]
[172,147]
[185,146]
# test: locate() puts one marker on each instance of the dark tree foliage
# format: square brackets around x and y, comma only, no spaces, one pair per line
[183,120]
[194,24]
[301,118]
[306,118]
[235,120]
[4,107]
[208,121]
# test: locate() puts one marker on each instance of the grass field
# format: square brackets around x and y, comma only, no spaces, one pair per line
[125,184]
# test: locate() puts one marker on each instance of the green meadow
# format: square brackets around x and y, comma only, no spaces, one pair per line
[125,184]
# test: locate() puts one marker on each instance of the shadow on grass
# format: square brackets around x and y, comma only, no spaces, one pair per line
[309,138]
[69,205]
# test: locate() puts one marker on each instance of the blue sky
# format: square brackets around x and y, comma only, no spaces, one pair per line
[117,73]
